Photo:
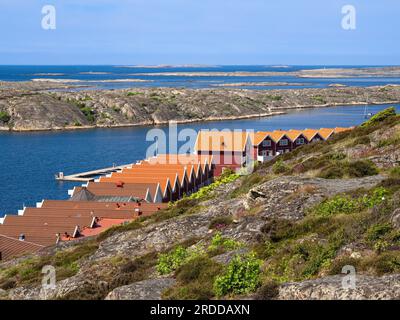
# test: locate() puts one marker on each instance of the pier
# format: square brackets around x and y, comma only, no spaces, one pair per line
[89,175]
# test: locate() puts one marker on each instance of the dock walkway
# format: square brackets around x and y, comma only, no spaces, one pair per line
[89,175]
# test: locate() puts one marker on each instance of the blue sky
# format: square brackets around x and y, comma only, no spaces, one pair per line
[200,31]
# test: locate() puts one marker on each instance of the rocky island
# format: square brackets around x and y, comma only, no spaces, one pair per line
[39,105]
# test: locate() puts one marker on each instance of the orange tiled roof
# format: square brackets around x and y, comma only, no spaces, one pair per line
[232,141]
[11,247]
[310,133]
[325,132]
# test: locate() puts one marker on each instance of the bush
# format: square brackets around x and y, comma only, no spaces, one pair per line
[89,113]
[131,93]
[338,264]
[242,276]
[220,242]
[378,196]
[279,167]
[380,117]
[4,117]
[332,172]
[336,205]
[355,169]
[204,193]
[195,280]
[361,168]
[377,231]
[169,262]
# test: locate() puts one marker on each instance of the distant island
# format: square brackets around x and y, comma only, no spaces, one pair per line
[54,105]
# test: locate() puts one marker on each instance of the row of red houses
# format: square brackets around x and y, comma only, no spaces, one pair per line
[143,188]
[234,149]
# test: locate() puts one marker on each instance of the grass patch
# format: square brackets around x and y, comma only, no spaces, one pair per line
[133,93]
[195,280]
[66,263]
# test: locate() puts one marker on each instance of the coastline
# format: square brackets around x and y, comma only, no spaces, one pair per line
[148,123]
[27,110]
[198,120]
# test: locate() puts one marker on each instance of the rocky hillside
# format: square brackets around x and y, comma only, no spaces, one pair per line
[55,106]
[283,232]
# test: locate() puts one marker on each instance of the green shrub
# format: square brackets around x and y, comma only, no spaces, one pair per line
[377,231]
[220,242]
[4,117]
[336,205]
[279,167]
[89,113]
[242,276]
[273,97]
[355,169]
[319,99]
[195,280]
[130,94]
[380,117]
[332,172]
[205,192]
[361,168]
[377,196]
[169,262]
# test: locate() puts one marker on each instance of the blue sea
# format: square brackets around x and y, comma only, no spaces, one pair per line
[29,161]
[116,77]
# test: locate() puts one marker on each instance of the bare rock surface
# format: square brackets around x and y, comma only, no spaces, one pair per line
[289,197]
[143,290]
[330,288]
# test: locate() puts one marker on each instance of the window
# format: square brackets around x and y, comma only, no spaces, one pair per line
[284,142]
[266,143]
[300,141]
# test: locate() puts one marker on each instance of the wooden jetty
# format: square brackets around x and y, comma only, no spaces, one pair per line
[89,175]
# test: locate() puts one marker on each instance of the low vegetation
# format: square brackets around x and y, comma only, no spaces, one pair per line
[4,117]
[29,271]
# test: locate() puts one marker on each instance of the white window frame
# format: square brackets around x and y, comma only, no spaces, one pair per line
[284,144]
[300,141]
[266,143]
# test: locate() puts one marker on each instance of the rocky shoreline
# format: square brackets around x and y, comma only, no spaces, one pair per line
[38,106]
